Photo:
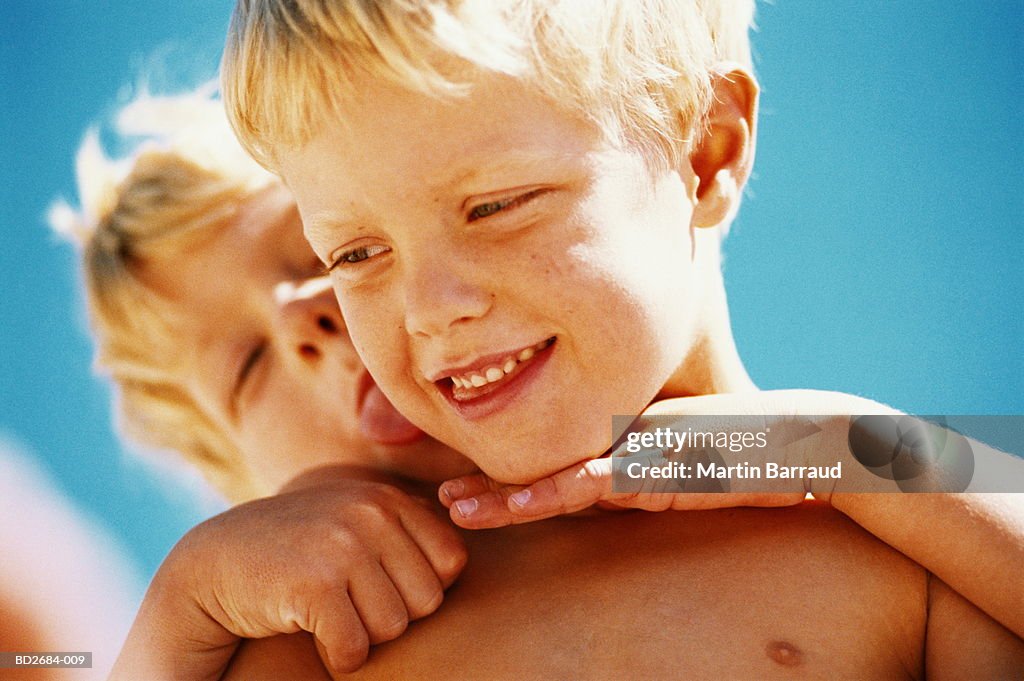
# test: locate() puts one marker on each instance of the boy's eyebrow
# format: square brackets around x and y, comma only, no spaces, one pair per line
[543,160]
[323,225]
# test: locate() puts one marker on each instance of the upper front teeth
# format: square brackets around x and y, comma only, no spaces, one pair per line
[496,372]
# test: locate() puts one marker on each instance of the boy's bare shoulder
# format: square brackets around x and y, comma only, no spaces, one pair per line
[965,643]
[737,592]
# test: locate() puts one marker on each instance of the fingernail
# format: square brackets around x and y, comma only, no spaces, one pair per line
[521,498]
[466,507]
[453,489]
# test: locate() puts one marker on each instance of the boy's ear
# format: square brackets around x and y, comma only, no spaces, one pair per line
[722,159]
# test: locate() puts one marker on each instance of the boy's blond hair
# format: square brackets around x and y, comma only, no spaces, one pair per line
[176,190]
[639,69]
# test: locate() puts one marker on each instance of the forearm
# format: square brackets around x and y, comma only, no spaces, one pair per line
[143,658]
[943,514]
[172,637]
[942,511]
[973,542]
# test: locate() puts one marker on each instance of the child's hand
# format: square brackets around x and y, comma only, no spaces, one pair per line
[476,501]
[351,562]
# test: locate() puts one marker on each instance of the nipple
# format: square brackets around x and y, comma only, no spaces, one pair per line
[784,653]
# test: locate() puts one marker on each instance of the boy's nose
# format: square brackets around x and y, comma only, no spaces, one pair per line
[307,316]
[437,298]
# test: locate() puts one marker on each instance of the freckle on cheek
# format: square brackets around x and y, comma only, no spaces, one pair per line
[784,653]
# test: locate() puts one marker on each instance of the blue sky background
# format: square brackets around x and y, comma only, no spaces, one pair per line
[878,251]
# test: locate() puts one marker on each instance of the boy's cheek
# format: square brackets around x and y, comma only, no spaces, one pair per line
[372,327]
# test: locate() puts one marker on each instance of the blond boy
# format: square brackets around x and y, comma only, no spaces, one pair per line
[656,543]
[162,254]
[533,191]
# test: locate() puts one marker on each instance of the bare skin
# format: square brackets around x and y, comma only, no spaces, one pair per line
[753,556]
[842,610]
[720,594]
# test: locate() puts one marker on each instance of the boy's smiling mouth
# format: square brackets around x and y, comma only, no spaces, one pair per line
[465,384]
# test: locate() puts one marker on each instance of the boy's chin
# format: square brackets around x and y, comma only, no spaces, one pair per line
[525,474]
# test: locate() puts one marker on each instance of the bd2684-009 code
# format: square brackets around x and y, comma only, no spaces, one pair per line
[51,660]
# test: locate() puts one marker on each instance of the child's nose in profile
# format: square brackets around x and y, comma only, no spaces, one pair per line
[306,314]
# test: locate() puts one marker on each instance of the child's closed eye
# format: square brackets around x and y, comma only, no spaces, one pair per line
[245,372]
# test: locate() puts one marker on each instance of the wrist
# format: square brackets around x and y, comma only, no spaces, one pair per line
[172,637]
[182,590]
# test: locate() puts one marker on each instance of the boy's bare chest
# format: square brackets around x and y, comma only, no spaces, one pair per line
[736,594]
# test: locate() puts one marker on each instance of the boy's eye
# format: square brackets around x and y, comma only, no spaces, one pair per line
[486,209]
[356,255]
[491,207]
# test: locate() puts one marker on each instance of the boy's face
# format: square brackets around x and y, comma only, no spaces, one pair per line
[497,239]
[268,357]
